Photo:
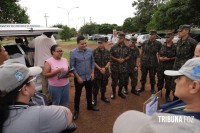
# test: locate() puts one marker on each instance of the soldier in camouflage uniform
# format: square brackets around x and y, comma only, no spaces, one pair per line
[120,54]
[167,56]
[101,71]
[149,60]
[133,64]
[184,50]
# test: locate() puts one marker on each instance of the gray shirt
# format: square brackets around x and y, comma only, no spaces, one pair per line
[36,119]
[83,62]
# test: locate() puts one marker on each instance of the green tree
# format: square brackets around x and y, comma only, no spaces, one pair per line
[12,12]
[65,33]
[129,25]
[89,28]
[145,10]
[73,32]
[174,13]
[106,28]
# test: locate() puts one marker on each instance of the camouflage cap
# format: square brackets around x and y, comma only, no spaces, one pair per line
[190,69]
[152,32]
[169,34]
[100,40]
[185,26]
[121,35]
[133,39]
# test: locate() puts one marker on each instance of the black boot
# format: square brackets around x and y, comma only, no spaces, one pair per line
[153,89]
[120,94]
[126,89]
[103,98]
[113,93]
[94,102]
[142,88]
[134,91]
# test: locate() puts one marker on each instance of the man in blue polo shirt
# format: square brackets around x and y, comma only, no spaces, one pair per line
[81,58]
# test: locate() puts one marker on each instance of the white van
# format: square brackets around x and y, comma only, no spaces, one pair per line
[21,35]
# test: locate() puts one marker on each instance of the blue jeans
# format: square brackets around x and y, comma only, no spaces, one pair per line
[59,94]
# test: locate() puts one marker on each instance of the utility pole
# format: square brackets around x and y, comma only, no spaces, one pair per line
[90,20]
[45,16]
[84,20]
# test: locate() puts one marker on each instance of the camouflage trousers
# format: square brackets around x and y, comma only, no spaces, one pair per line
[119,79]
[152,72]
[164,80]
[99,84]
[134,78]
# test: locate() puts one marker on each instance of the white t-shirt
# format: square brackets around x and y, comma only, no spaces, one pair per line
[36,119]
[113,39]
[42,45]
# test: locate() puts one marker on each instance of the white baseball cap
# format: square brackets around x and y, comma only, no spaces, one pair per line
[14,74]
[137,122]
[190,69]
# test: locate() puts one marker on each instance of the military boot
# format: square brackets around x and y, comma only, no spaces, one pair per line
[94,102]
[103,98]
[134,91]
[113,93]
[126,89]
[142,88]
[120,94]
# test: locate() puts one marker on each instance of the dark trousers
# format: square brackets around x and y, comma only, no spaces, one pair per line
[134,78]
[99,84]
[152,72]
[163,79]
[119,79]
[78,90]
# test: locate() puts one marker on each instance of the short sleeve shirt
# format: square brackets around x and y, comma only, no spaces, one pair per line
[36,119]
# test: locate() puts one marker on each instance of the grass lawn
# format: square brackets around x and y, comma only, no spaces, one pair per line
[69,45]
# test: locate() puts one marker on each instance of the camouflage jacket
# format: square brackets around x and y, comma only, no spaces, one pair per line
[101,58]
[169,52]
[149,55]
[132,61]
[118,51]
[184,51]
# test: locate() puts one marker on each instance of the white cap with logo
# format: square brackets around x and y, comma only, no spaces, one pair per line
[14,74]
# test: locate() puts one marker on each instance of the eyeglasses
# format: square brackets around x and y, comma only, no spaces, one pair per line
[59,51]
[33,79]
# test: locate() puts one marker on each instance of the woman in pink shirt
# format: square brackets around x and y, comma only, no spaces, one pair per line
[58,88]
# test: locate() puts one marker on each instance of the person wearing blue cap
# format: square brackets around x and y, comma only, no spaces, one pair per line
[184,49]
[187,90]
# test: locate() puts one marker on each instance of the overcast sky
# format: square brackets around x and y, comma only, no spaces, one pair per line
[99,11]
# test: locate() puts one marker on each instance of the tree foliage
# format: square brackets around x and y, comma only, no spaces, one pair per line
[11,12]
[107,28]
[145,10]
[174,13]
[89,28]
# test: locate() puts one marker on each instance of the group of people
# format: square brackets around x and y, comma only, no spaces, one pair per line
[16,90]
[179,69]
[92,69]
